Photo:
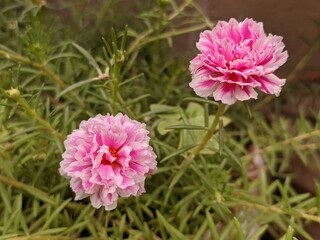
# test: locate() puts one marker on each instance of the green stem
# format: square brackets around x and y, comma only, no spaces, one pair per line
[23,60]
[304,61]
[116,96]
[272,208]
[41,237]
[14,94]
[280,145]
[36,192]
[206,19]
[115,87]
[122,102]
[55,78]
[140,40]
[196,150]
[173,33]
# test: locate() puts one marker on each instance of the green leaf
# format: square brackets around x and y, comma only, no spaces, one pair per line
[212,226]
[77,227]
[135,100]
[163,125]
[187,127]
[232,157]
[174,233]
[122,226]
[8,236]
[221,137]
[8,225]
[289,233]
[301,154]
[206,182]
[248,108]
[88,56]
[39,194]
[239,234]
[35,207]
[134,218]
[318,198]
[177,176]
[114,40]
[124,38]
[5,198]
[177,152]
[147,231]
[129,80]
[161,108]
[50,231]
[194,110]
[200,232]
[187,199]
[55,214]
[259,233]
[77,85]
[201,100]
[63,55]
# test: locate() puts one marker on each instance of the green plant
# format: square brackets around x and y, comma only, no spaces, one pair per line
[236,187]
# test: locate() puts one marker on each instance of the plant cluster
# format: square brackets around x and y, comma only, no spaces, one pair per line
[62,63]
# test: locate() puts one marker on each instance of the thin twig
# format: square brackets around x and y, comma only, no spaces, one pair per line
[26,61]
[15,95]
[275,209]
[206,19]
[282,143]
[175,33]
[42,237]
[140,40]
[304,61]
[55,78]
[36,192]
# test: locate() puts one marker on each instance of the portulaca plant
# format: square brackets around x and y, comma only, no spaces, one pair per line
[105,134]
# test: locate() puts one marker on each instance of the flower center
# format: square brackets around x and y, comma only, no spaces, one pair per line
[113,153]
[106,161]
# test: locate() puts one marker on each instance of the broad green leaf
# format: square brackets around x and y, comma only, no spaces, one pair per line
[163,126]
[160,108]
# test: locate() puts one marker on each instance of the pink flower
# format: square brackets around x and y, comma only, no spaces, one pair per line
[107,157]
[235,59]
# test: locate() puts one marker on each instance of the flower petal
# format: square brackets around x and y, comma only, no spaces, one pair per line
[236,58]
[106,156]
